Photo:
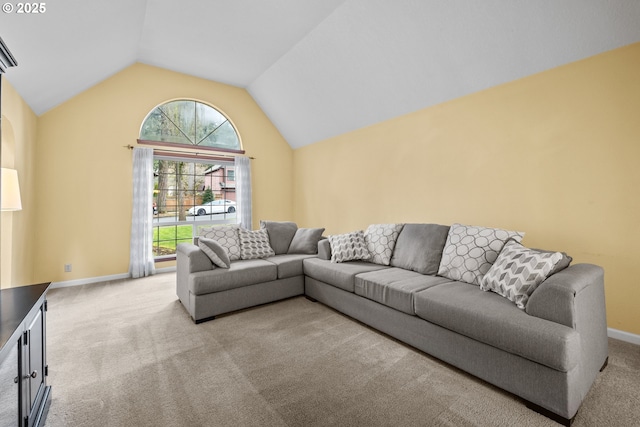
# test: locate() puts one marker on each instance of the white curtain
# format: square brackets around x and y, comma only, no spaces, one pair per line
[243,191]
[141,253]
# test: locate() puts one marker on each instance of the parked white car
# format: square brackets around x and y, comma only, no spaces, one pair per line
[213,207]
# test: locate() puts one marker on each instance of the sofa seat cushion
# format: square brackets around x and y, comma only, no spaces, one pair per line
[394,287]
[341,275]
[289,265]
[496,321]
[240,273]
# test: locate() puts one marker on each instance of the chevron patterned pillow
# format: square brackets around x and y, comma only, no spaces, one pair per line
[349,247]
[518,271]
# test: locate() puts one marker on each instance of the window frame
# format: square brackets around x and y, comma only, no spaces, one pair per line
[192,153]
[191,221]
[191,146]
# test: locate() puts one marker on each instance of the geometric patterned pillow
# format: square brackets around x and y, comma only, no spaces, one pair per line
[216,253]
[348,247]
[518,271]
[255,244]
[227,236]
[380,240]
[470,251]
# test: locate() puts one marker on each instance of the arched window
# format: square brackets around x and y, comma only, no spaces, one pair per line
[189,123]
[192,190]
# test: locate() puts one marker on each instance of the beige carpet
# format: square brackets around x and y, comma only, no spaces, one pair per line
[126,353]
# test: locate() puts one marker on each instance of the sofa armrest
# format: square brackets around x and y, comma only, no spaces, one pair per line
[575,297]
[324,249]
[191,258]
[557,298]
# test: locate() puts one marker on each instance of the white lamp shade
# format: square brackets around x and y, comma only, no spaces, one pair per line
[10,191]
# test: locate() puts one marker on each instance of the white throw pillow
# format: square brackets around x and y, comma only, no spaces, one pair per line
[380,240]
[518,271]
[349,247]
[470,251]
[255,244]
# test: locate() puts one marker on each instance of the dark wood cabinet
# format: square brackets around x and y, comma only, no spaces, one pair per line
[9,387]
[24,394]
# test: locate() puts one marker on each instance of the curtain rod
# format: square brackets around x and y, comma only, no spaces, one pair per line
[189,153]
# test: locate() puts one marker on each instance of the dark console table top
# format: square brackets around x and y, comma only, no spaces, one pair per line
[15,304]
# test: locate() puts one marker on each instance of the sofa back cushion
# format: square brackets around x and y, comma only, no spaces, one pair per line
[280,234]
[419,247]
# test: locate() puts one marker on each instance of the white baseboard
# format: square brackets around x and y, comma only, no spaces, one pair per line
[623,336]
[101,279]
[89,280]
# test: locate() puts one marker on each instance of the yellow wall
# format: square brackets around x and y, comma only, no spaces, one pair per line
[84,173]
[19,125]
[555,155]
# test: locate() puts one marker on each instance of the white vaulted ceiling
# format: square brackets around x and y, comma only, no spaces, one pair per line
[318,68]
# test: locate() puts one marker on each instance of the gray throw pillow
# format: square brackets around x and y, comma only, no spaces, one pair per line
[216,253]
[419,247]
[305,241]
[280,234]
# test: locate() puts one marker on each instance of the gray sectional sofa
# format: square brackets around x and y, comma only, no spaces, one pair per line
[548,352]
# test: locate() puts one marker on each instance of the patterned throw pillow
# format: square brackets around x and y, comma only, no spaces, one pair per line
[255,244]
[216,253]
[349,247]
[518,271]
[470,251]
[227,236]
[380,240]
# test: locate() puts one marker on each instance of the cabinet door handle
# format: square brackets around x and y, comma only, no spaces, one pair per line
[34,374]
[16,379]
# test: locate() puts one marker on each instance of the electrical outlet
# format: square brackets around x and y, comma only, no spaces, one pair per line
[67,268]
